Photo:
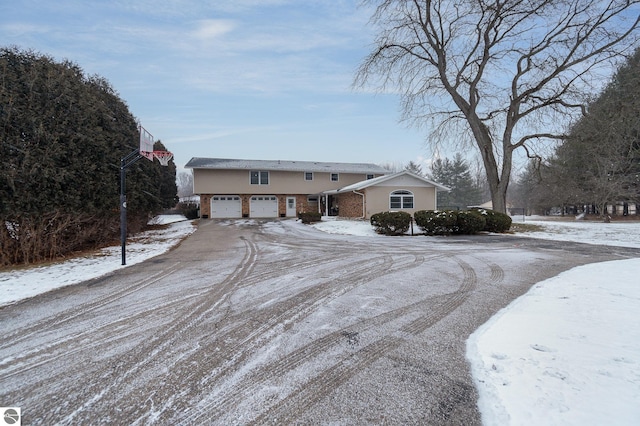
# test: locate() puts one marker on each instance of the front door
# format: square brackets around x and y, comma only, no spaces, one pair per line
[291,207]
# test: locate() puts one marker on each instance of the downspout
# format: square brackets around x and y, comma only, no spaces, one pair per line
[364,214]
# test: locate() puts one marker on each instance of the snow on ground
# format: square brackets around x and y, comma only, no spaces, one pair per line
[623,234]
[565,353]
[23,283]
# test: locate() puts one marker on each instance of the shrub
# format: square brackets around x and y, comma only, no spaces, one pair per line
[470,222]
[496,221]
[189,210]
[436,222]
[391,223]
[310,217]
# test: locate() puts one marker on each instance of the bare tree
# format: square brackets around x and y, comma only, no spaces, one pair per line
[393,167]
[508,73]
[185,184]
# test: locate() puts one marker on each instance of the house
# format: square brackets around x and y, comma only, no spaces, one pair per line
[402,191]
[234,188]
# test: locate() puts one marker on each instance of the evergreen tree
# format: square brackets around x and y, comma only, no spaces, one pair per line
[414,167]
[62,136]
[599,162]
[457,176]
[167,189]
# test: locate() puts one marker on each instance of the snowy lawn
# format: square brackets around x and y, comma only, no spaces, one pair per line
[567,352]
[22,283]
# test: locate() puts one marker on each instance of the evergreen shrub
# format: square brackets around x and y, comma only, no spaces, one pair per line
[391,223]
[469,222]
[310,217]
[189,210]
[495,221]
[436,222]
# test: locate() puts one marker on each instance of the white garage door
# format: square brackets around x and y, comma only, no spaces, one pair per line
[226,206]
[264,206]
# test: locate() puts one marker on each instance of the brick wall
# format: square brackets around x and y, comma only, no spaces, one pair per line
[302,204]
[205,205]
[350,205]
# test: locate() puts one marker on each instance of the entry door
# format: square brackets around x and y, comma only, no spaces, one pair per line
[291,206]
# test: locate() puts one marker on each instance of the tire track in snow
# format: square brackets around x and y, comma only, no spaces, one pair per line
[152,348]
[293,360]
[307,394]
[237,344]
[25,333]
[469,283]
[232,356]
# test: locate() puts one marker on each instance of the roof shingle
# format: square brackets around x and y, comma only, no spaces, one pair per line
[290,166]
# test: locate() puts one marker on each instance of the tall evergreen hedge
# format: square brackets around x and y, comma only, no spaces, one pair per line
[62,135]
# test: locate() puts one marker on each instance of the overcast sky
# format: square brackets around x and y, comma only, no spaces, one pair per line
[251,79]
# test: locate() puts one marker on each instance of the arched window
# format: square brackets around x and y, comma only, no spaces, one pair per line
[401,199]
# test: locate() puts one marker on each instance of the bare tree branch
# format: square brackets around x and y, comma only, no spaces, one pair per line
[507,66]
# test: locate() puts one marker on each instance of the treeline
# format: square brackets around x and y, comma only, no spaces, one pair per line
[598,164]
[62,136]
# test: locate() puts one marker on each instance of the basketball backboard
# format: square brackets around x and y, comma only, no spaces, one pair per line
[146,144]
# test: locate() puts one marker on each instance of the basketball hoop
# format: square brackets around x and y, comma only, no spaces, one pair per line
[163,157]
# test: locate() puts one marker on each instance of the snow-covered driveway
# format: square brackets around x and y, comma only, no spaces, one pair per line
[273,322]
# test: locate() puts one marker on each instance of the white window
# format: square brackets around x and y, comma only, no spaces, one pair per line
[401,199]
[312,199]
[369,176]
[308,175]
[334,177]
[259,178]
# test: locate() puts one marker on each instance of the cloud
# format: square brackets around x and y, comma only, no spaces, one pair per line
[21,29]
[209,29]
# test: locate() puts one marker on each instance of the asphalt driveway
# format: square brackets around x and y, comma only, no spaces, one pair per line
[273,322]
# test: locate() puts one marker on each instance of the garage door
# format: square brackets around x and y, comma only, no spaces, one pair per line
[226,206]
[264,206]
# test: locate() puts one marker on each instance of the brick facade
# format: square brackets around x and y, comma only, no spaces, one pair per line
[302,204]
[350,205]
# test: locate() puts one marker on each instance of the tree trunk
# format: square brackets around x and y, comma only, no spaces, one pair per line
[498,182]
[499,198]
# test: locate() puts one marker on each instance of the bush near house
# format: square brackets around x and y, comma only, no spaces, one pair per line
[391,223]
[445,222]
[496,221]
[469,222]
[436,222]
[310,217]
[189,210]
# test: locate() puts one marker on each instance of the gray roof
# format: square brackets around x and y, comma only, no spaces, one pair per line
[289,166]
[372,182]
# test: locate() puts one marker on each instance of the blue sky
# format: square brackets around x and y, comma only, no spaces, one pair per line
[254,79]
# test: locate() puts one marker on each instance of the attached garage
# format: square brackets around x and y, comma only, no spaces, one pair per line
[226,206]
[264,206]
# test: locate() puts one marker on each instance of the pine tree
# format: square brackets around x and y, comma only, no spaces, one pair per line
[457,176]
[599,162]
[167,189]
[414,168]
